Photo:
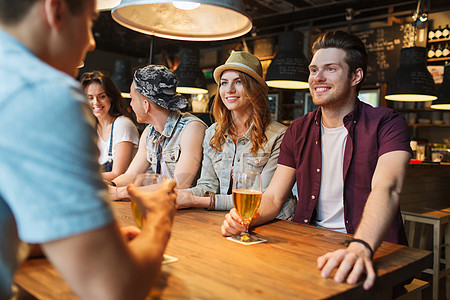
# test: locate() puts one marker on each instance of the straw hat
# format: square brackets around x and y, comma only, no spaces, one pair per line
[244,62]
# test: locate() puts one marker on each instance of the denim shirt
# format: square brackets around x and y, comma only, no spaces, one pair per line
[218,167]
[170,141]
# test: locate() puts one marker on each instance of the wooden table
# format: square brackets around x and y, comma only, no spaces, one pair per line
[211,267]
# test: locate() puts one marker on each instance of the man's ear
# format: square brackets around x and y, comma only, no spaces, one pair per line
[357,76]
[147,106]
[54,12]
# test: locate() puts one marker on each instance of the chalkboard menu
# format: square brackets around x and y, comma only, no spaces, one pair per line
[384,46]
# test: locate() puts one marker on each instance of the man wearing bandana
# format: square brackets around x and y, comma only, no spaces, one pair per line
[172,143]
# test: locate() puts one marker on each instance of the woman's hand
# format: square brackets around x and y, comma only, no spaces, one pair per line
[185,200]
[232,224]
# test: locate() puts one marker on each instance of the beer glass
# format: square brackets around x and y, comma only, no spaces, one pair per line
[146,182]
[247,192]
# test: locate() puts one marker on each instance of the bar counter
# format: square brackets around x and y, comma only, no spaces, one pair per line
[426,187]
[211,267]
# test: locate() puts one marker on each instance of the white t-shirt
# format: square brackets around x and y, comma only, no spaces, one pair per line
[330,207]
[124,131]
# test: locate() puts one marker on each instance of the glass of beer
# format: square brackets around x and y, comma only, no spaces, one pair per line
[247,192]
[146,182]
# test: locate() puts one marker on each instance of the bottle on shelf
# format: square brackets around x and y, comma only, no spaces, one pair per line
[431,34]
[431,52]
[438,32]
[438,52]
[446,32]
[446,51]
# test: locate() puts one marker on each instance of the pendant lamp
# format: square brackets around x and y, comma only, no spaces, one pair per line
[122,77]
[211,20]
[412,81]
[191,79]
[289,68]
[107,4]
[443,101]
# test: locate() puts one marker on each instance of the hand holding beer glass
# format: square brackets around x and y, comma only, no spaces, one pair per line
[146,182]
[247,192]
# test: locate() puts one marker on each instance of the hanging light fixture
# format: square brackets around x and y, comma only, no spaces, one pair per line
[191,79]
[122,77]
[182,20]
[107,4]
[443,101]
[289,68]
[412,81]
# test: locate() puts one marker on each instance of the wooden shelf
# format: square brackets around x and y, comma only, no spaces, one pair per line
[414,109]
[438,59]
[262,58]
[428,125]
[439,40]
[292,104]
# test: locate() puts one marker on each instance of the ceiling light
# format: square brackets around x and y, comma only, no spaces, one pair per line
[191,79]
[186,5]
[107,4]
[423,17]
[443,101]
[212,20]
[289,68]
[412,81]
[125,95]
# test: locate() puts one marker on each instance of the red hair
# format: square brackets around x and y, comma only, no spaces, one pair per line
[260,116]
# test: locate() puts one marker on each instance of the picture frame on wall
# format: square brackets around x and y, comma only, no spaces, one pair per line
[273,105]
[369,96]
[309,104]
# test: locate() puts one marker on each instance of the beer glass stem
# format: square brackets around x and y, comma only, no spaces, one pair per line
[245,236]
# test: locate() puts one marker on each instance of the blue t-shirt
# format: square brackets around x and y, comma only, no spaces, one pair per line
[50,185]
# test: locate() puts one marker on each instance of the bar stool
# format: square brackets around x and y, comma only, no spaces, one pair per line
[439,219]
[413,291]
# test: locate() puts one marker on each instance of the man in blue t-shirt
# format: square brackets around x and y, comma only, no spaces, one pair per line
[51,191]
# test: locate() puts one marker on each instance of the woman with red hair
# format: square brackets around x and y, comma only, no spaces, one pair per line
[244,138]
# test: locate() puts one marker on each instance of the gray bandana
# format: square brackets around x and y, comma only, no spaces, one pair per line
[159,85]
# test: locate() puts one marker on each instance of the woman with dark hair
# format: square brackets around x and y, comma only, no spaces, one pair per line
[244,138]
[118,135]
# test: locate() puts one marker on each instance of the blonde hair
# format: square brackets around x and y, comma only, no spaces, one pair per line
[260,116]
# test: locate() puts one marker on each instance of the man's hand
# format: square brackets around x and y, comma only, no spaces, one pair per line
[232,224]
[130,232]
[352,263]
[156,203]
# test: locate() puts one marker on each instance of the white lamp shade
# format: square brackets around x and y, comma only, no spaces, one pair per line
[212,20]
[107,4]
